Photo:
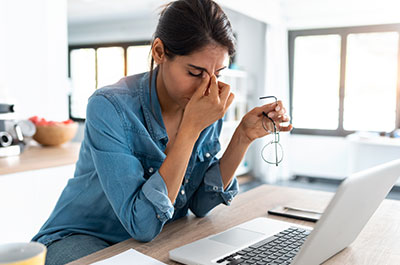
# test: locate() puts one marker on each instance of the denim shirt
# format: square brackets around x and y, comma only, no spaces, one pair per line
[117,192]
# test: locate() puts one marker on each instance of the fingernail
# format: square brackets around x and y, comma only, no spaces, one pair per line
[278,108]
[271,115]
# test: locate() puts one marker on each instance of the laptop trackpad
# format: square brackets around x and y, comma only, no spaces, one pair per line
[237,237]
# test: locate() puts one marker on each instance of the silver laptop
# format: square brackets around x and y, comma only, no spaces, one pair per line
[267,241]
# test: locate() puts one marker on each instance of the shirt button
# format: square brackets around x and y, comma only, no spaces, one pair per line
[158,216]
[215,188]
[182,192]
[229,201]
[151,170]
[186,181]
[208,155]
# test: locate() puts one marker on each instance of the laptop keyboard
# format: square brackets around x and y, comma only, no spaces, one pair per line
[277,249]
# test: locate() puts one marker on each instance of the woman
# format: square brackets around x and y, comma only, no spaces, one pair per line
[148,155]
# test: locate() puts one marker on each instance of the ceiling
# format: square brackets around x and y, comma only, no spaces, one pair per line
[296,13]
[337,13]
[82,11]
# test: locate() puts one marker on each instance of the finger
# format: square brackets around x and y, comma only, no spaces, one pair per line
[279,105]
[229,101]
[274,115]
[277,114]
[214,91]
[285,128]
[224,91]
[282,118]
[203,86]
[281,111]
[266,108]
[268,125]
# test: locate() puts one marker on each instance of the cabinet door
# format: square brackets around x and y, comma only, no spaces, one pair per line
[27,199]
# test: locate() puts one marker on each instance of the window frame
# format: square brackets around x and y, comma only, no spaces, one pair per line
[343,32]
[124,45]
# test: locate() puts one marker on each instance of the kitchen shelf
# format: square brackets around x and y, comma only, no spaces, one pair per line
[38,157]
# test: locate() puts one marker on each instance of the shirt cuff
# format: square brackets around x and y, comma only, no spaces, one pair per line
[213,183]
[156,192]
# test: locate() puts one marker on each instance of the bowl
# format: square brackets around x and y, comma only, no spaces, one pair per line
[55,134]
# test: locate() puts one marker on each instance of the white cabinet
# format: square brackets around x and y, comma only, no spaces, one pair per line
[27,199]
[366,152]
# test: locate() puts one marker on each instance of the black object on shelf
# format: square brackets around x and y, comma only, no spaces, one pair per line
[6,108]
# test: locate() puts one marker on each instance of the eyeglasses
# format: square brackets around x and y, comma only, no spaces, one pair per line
[272,152]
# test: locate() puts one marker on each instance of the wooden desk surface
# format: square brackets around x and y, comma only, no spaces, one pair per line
[38,157]
[378,243]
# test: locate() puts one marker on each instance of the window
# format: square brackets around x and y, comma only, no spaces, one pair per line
[94,66]
[317,64]
[371,73]
[344,80]
[110,65]
[138,59]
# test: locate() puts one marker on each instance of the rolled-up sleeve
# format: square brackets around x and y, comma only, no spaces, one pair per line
[156,192]
[142,205]
[211,191]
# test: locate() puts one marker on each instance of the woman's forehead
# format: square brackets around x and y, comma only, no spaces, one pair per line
[211,57]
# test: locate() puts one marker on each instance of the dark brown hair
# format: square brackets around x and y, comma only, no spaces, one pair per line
[185,26]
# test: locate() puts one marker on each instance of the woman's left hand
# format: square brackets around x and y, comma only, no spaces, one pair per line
[251,124]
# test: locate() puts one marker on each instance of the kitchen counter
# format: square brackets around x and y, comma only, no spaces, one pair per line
[38,157]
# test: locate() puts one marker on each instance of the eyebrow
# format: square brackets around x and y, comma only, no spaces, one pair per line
[204,69]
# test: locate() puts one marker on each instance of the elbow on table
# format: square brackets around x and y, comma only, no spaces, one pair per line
[145,232]
[200,213]
[145,236]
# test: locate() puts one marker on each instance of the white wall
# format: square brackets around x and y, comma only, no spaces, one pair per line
[33,49]
[267,11]
[339,13]
[3,94]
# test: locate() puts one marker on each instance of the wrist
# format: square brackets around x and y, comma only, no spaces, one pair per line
[241,137]
[189,132]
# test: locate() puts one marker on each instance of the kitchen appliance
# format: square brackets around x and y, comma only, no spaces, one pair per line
[12,133]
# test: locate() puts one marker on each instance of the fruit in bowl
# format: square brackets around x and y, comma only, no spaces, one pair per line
[53,133]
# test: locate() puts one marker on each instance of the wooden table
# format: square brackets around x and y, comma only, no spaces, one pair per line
[38,157]
[378,243]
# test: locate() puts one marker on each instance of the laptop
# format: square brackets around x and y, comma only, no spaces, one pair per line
[266,241]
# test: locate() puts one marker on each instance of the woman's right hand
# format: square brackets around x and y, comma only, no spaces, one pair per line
[208,104]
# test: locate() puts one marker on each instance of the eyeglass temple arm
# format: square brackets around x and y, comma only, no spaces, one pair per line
[269,97]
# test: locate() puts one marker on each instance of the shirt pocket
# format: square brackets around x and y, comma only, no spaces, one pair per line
[209,150]
[204,156]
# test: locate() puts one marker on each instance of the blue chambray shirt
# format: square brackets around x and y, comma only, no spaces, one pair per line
[117,192]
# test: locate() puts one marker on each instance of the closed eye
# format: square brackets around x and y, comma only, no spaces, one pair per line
[196,75]
[200,74]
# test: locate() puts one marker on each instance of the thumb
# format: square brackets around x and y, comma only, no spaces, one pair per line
[201,90]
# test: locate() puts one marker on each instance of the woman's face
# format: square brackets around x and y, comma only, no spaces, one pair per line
[181,76]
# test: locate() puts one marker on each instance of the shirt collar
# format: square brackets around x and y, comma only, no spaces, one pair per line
[152,110]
